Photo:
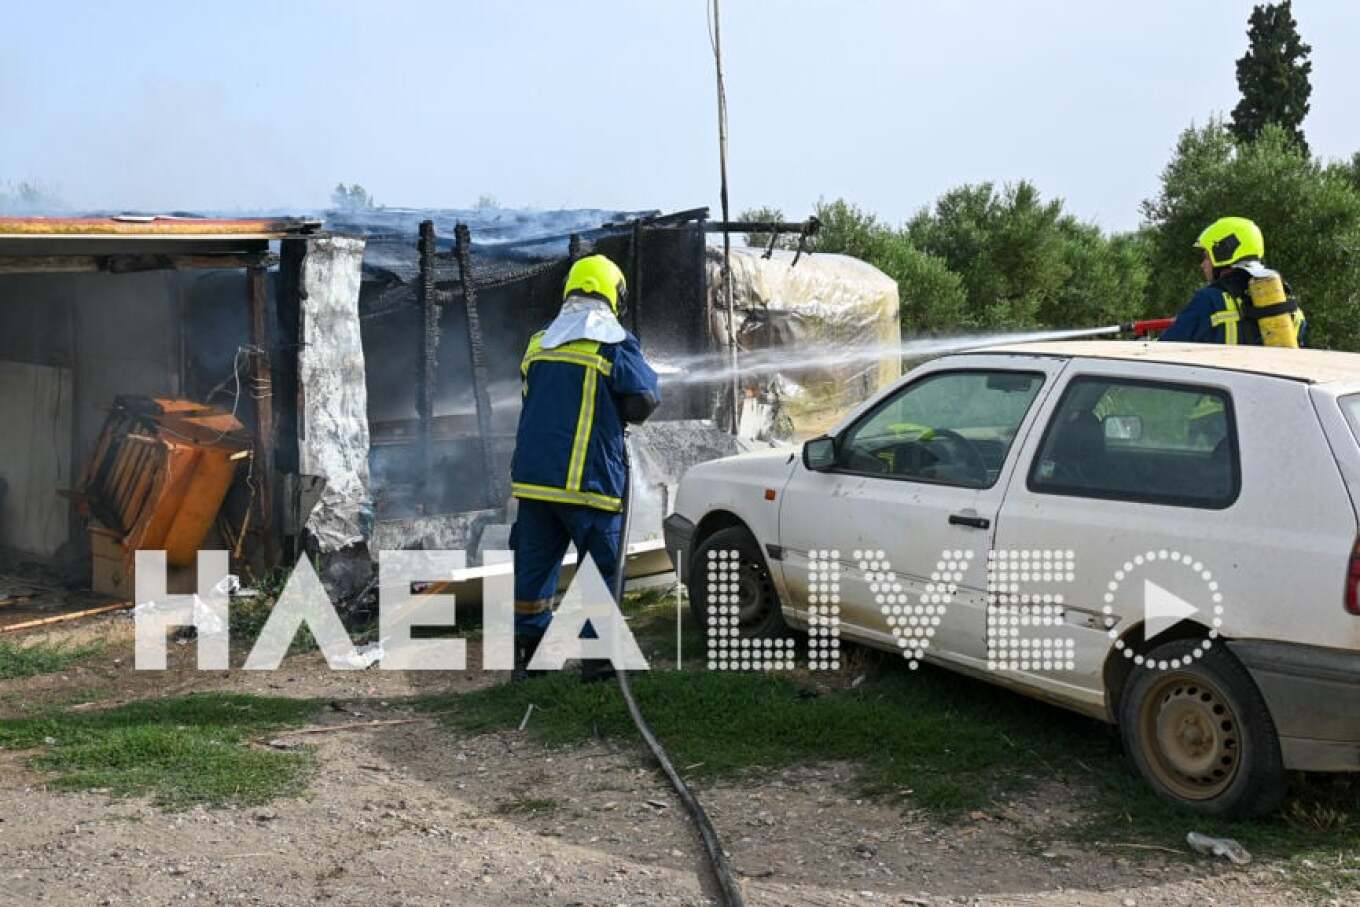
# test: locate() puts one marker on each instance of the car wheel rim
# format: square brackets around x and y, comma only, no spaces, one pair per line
[753,585]
[1191,737]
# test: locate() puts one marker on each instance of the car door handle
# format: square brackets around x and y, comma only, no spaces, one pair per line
[964,519]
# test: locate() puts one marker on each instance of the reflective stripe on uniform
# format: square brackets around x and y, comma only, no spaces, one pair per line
[538,606]
[584,353]
[1228,318]
[591,361]
[578,352]
[565,496]
[585,424]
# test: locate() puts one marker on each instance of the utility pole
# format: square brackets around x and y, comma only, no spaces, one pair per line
[727,235]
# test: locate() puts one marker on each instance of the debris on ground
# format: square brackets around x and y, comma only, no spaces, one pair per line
[1218,847]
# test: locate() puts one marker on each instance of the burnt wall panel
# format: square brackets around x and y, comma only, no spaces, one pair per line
[116,333]
[515,298]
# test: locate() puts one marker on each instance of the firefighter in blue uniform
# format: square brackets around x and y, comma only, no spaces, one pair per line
[584,378]
[1244,302]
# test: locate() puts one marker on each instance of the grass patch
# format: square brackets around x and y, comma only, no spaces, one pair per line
[931,738]
[18,660]
[181,752]
[924,736]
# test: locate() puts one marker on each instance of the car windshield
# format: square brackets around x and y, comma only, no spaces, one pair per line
[950,427]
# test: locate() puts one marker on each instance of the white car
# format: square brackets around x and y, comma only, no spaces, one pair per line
[1163,536]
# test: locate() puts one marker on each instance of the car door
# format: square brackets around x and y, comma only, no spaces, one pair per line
[908,510]
[1134,472]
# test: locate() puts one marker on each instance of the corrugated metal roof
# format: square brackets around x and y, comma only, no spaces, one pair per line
[1316,366]
[157,226]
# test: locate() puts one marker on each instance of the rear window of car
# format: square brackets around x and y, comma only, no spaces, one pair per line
[1350,405]
[1150,442]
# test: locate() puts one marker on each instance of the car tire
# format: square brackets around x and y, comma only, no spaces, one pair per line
[1200,733]
[759,612]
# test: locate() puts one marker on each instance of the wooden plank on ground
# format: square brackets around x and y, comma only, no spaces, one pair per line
[62,618]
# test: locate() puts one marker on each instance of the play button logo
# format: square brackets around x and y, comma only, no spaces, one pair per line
[1163,609]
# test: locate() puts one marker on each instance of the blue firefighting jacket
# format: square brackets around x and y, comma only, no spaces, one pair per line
[569,446]
[1215,315]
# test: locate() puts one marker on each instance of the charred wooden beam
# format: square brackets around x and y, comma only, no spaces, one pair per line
[477,356]
[807,227]
[661,220]
[287,398]
[266,427]
[634,296]
[428,374]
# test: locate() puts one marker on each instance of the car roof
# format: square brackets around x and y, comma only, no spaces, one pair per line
[1312,366]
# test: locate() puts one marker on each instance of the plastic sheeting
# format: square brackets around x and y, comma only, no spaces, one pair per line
[824,304]
[333,409]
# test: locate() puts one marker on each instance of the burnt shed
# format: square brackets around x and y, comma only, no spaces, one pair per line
[95,309]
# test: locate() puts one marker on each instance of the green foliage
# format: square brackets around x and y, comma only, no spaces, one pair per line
[1273,76]
[1309,213]
[932,296]
[761,240]
[353,197]
[182,751]
[984,259]
[1024,263]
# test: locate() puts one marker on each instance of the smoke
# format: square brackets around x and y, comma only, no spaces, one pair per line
[709,367]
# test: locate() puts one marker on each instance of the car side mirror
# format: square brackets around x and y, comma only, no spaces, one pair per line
[819,454]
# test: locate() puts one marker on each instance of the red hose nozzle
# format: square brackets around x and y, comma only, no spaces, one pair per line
[1148,326]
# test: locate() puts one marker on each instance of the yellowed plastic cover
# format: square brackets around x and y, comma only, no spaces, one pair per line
[827,312]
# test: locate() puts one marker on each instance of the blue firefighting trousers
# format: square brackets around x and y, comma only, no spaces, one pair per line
[540,538]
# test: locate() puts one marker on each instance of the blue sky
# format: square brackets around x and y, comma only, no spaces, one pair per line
[611,104]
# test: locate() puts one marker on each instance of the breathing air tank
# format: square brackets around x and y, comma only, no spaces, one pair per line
[1272,309]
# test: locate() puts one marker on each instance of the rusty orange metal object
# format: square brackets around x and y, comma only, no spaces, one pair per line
[161,471]
[196,227]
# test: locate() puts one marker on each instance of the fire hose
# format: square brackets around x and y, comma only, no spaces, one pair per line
[1144,328]
[722,871]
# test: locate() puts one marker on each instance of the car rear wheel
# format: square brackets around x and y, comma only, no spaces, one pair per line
[714,580]
[1201,734]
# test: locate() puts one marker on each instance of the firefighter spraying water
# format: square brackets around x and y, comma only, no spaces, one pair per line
[584,378]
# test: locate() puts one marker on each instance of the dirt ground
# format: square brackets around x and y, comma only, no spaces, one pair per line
[414,814]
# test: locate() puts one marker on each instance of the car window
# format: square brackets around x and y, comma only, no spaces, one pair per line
[953,428]
[1140,441]
[1350,406]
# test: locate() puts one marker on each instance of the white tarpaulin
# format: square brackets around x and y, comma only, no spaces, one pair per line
[333,410]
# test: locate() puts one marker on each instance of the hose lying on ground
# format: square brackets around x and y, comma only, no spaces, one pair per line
[722,871]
